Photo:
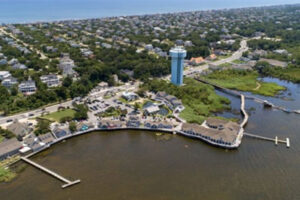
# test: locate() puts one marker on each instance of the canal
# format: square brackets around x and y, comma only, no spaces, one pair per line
[145,165]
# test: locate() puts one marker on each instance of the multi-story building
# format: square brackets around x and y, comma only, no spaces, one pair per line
[178,54]
[51,80]
[27,87]
[9,82]
[66,64]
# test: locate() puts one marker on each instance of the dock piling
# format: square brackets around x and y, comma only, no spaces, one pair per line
[288,142]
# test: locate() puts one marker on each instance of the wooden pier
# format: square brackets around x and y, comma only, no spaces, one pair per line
[276,140]
[66,181]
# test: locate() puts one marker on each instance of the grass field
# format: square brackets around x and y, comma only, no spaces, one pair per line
[243,81]
[225,65]
[293,73]
[238,62]
[6,175]
[111,112]
[200,100]
[57,116]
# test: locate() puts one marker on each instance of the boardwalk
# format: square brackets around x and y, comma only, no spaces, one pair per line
[259,100]
[68,182]
[246,116]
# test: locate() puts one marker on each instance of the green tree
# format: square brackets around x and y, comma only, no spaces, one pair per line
[6,133]
[4,94]
[42,127]
[67,82]
[72,127]
[81,112]
[14,91]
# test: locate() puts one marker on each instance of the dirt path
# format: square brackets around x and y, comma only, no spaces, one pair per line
[258,85]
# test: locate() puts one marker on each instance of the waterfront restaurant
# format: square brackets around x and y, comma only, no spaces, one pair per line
[225,136]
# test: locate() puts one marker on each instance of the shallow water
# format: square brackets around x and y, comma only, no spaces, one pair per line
[143,165]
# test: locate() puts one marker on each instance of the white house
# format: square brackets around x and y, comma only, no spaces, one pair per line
[9,82]
[4,75]
[51,80]
[27,87]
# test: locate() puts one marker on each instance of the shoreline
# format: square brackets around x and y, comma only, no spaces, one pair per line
[143,14]
[169,131]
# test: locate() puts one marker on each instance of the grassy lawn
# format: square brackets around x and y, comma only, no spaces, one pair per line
[189,115]
[6,175]
[111,112]
[200,100]
[57,116]
[294,73]
[222,57]
[123,100]
[238,62]
[107,97]
[243,81]
[226,65]
[1,138]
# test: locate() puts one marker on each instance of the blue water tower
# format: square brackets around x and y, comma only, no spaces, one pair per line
[178,54]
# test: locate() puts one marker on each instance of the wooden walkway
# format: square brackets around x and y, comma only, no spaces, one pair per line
[68,182]
[259,100]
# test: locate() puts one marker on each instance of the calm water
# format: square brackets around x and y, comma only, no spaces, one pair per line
[20,11]
[141,165]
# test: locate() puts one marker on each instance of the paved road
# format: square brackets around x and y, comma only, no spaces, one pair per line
[236,55]
[54,108]
[34,113]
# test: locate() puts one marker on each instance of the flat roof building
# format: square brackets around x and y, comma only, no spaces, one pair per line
[9,148]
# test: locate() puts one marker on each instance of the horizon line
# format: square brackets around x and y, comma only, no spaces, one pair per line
[145,14]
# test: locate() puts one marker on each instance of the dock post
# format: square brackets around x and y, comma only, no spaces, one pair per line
[288,142]
[276,140]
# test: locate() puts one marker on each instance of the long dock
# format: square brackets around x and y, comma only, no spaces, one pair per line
[68,182]
[276,140]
